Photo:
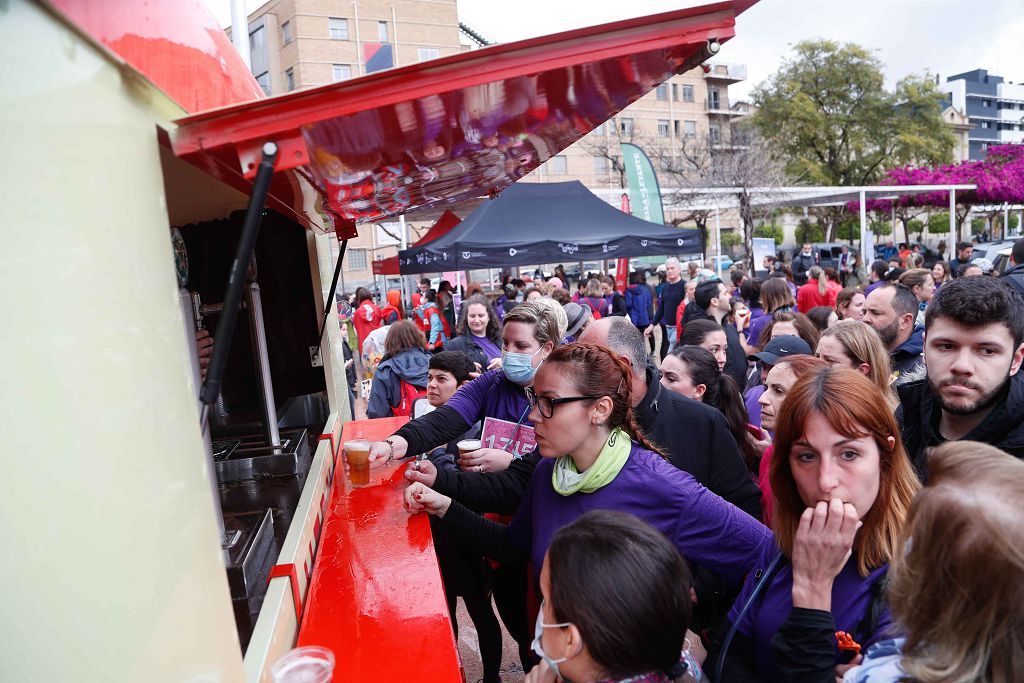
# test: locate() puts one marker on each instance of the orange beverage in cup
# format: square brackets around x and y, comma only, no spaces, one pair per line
[469,445]
[357,453]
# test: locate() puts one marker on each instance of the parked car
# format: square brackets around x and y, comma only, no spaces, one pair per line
[930,255]
[991,250]
[1001,263]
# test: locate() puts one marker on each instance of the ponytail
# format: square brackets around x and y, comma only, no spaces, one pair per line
[596,371]
[822,280]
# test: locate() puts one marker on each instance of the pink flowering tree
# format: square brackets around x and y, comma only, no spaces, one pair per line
[999,179]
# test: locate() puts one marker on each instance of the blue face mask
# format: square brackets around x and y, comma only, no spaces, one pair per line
[538,648]
[518,367]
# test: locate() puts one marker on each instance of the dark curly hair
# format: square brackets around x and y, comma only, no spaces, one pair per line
[978,301]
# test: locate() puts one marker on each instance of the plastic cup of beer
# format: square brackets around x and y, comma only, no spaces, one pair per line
[357,453]
[468,446]
[310,664]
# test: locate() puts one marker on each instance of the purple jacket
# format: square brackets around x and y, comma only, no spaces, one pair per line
[703,527]
[851,596]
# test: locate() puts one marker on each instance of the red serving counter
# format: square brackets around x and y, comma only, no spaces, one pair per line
[375,598]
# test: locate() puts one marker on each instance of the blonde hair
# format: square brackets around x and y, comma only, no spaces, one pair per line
[915,277]
[817,273]
[556,310]
[545,326]
[855,408]
[593,288]
[958,587]
[863,345]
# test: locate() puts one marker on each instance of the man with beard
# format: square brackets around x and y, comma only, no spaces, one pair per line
[892,311]
[974,329]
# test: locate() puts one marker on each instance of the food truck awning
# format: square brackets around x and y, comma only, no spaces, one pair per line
[447,130]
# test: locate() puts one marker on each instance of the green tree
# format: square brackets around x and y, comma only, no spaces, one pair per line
[914,225]
[938,223]
[827,114]
[849,229]
[772,231]
[809,231]
[732,238]
[977,226]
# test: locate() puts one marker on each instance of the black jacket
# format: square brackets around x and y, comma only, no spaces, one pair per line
[466,344]
[697,440]
[801,264]
[918,415]
[1014,277]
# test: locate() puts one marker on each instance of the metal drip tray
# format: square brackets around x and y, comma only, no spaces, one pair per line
[252,458]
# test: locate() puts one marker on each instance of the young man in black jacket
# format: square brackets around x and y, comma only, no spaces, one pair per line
[973,348]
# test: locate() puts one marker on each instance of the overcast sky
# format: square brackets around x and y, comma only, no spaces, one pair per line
[909,36]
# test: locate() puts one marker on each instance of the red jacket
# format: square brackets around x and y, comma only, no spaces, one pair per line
[367,318]
[807,297]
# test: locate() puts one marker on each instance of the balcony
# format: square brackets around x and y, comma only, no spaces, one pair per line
[726,73]
[715,107]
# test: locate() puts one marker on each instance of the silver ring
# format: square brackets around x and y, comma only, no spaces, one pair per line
[479,468]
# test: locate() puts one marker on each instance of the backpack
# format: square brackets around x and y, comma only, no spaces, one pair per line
[408,395]
[594,311]
[423,320]
[390,315]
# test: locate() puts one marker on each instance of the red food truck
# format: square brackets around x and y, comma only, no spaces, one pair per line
[168,522]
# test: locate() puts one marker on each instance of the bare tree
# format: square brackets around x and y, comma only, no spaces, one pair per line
[609,147]
[738,161]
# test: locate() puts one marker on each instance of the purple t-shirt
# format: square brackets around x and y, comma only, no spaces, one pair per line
[489,348]
[851,595]
[753,407]
[757,324]
[703,527]
[873,286]
[491,395]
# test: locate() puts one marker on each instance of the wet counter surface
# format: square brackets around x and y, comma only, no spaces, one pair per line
[375,598]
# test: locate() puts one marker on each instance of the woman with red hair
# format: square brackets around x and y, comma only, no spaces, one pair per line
[843,486]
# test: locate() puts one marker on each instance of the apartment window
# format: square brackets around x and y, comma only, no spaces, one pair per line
[382,31]
[264,80]
[286,32]
[985,124]
[986,103]
[600,165]
[599,130]
[661,92]
[289,78]
[691,128]
[687,93]
[426,53]
[715,133]
[338,28]
[341,72]
[356,259]
[675,92]
[626,126]
[662,128]
[714,101]
[557,165]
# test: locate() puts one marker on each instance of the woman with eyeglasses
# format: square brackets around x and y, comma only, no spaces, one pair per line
[593,456]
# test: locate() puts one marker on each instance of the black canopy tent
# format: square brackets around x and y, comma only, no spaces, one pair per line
[531,223]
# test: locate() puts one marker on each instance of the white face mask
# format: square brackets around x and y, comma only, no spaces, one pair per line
[538,649]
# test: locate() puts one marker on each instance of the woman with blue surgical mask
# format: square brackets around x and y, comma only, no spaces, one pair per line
[497,399]
[616,605]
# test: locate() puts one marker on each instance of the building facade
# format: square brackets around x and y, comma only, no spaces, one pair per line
[994,107]
[297,44]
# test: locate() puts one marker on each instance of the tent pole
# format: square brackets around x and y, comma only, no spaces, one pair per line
[864,228]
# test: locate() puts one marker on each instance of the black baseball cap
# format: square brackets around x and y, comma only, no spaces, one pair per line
[780,347]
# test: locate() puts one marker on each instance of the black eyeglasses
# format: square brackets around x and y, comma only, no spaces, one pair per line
[546,405]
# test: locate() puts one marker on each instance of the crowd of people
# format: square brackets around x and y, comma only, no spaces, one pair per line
[816,477]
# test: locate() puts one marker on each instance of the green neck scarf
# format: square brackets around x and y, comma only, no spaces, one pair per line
[567,481]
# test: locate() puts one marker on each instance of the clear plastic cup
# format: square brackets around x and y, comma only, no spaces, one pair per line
[357,453]
[310,664]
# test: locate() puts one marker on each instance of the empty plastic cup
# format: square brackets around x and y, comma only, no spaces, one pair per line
[310,664]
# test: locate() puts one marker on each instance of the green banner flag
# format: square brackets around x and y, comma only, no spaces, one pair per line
[644,193]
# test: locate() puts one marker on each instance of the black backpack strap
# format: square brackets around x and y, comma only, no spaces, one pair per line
[876,607]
